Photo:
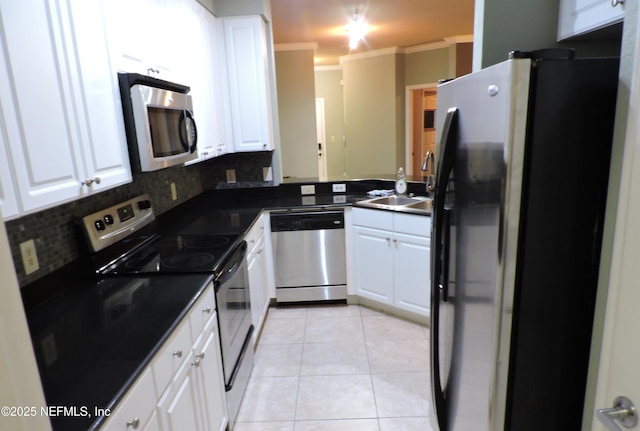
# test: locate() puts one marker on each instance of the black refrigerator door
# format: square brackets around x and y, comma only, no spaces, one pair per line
[440,289]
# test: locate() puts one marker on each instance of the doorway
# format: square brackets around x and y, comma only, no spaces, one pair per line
[420,126]
[321,138]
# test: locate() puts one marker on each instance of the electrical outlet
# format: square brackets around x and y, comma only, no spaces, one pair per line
[231,175]
[29,257]
[307,190]
[267,173]
[174,192]
[339,188]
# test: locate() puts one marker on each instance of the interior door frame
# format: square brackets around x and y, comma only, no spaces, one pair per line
[408,121]
[321,139]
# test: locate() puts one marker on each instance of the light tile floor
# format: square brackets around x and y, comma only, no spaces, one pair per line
[338,368]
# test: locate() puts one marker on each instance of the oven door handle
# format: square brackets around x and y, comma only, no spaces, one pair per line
[232,264]
[236,368]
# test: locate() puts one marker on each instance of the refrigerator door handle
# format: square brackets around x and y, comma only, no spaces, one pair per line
[440,255]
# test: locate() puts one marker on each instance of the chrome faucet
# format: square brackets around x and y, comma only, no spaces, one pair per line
[429,179]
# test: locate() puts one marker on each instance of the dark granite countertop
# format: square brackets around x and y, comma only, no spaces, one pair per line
[90,353]
[93,339]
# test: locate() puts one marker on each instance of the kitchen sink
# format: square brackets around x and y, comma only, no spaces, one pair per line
[415,205]
[424,205]
[394,200]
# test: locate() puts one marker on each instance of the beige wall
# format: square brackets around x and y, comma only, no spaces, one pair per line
[329,88]
[368,109]
[370,115]
[297,112]
[426,67]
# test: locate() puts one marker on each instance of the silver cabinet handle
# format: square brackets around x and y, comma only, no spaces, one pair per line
[623,411]
[90,181]
[207,310]
[615,3]
[200,355]
[196,363]
[134,423]
[178,353]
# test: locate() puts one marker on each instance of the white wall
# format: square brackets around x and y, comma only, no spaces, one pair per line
[20,381]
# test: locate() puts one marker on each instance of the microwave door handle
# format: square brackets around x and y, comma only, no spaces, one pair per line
[189,141]
[194,133]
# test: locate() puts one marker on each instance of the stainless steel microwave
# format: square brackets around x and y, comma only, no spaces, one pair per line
[159,123]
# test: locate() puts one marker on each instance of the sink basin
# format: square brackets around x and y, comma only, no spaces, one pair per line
[425,205]
[415,205]
[394,200]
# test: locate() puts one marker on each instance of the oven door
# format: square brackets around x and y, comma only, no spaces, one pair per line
[234,311]
[166,132]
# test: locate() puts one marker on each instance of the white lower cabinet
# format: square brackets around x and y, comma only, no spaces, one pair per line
[185,377]
[391,259]
[137,409]
[259,264]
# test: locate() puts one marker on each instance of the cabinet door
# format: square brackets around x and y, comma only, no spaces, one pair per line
[210,380]
[246,53]
[373,264]
[582,16]
[135,407]
[218,80]
[412,273]
[8,198]
[37,103]
[178,406]
[104,144]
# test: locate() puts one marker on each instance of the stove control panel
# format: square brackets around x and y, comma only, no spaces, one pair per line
[113,224]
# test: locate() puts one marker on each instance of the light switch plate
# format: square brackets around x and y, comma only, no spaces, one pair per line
[308,190]
[339,188]
[29,257]
[231,175]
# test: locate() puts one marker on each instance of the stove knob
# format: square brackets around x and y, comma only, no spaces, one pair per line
[99,225]
[145,204]
[108,219]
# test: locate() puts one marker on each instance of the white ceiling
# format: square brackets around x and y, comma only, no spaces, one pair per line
[393,23]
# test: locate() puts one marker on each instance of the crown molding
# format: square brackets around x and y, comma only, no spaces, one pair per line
[447,42]
[327,68]
[369,54]
[295,46]
[463,38]
[425,47]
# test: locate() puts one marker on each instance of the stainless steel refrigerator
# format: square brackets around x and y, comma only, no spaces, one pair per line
[523,164]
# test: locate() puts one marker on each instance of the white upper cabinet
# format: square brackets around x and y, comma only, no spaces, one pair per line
[210,104]
[247,68]
[60,109]
[145,37]
[8,198]
[578,17]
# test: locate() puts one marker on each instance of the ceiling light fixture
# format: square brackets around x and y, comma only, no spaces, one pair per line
[357,30]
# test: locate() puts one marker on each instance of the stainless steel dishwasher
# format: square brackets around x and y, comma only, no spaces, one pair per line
[309,255]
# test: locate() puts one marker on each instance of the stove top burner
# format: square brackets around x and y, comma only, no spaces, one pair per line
[185,261]
[173,254]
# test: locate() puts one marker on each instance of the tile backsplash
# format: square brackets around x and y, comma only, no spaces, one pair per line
[54,232]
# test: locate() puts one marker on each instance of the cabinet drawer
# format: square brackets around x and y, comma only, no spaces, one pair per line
[168,360]
[202,311]
[412,224]
[139,404]
[256,232]
[373,218]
